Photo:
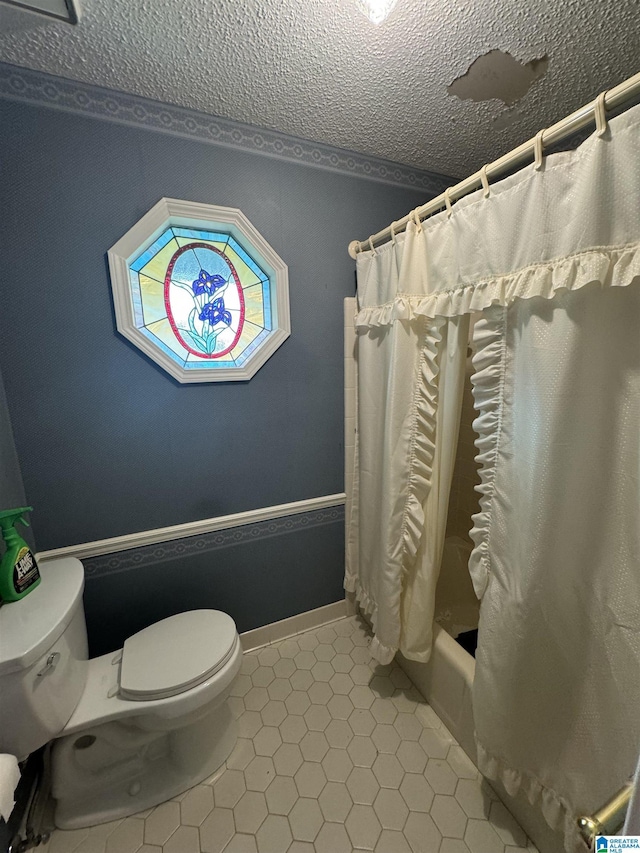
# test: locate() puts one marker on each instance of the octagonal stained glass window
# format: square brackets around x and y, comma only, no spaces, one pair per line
[200,291]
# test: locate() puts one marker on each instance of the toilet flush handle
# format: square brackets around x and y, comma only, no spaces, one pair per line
[52,660]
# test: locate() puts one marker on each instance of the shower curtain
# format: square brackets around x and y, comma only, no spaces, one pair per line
[406,444]
[551,260]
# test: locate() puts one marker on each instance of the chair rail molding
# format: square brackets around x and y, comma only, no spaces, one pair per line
[191,528]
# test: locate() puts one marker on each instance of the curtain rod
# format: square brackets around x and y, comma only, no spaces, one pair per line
[557,132]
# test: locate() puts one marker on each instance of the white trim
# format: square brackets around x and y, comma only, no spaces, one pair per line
[277,631]
[187,214]
[191,528]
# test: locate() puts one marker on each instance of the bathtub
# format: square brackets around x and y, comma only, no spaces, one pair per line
[446,681]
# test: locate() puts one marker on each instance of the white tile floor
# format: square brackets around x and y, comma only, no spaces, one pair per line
[335,754]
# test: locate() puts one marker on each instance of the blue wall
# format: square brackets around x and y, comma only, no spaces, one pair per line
[11,485]
[108,443]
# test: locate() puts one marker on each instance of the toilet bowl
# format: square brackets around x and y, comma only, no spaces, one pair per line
[130,729]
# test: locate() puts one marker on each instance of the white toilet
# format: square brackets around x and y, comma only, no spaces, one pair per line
[132,728]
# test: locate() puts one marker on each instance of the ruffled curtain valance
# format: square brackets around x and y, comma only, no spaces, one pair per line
[569,224]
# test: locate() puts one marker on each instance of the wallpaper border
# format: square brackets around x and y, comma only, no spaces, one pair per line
[147,555]
[47,90]
[157,535]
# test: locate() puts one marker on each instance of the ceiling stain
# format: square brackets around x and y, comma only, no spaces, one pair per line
[498,75]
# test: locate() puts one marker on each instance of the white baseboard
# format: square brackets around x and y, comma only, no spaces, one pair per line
[293,625]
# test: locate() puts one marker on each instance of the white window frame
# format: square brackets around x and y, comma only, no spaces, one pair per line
[188,214]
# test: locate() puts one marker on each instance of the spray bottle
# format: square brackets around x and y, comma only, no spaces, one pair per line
[19,573]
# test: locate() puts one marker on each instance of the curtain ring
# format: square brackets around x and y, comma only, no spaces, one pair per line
[393,233]
[373,251]
[485,181]
[447,202]
[416,219]
[600,114]
[537,149]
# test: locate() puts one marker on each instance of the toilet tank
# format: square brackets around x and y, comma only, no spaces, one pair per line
[43,658]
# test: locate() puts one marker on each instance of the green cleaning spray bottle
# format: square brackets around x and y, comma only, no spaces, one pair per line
[19,573]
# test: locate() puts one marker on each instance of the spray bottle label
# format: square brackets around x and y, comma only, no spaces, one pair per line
[25,571]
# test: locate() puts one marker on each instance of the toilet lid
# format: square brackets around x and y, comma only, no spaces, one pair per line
[175,654]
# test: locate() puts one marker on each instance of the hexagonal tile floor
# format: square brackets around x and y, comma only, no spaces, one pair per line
[336,754]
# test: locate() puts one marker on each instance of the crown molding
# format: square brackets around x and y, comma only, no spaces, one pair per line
[47,90]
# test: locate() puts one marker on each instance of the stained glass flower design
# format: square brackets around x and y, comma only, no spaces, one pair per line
[214,312]
[206,301]
[206,283]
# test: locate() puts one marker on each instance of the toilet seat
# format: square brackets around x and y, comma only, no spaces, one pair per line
[176,654]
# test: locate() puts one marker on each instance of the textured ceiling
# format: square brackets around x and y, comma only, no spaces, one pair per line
[319,70]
